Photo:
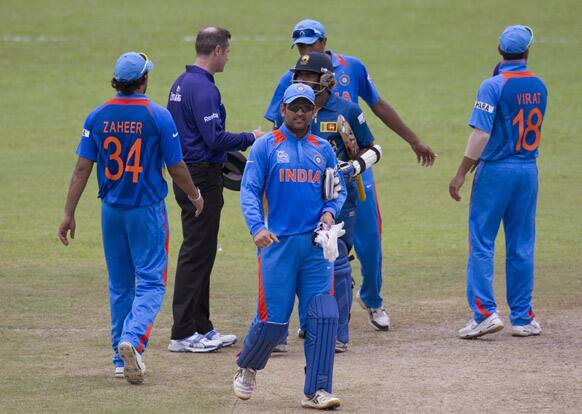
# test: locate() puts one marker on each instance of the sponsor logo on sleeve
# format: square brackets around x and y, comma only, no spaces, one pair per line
[361,118]
[210,117]
[86,133]
[484,106]
[176,96]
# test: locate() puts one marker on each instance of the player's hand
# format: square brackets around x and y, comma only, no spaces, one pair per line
[198,202]
[67,225]
[265,238]
[455,185]
[424,155]
[327,219]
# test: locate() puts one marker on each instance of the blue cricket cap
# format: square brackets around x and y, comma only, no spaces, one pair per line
[516,39]
[307,32]
[131,66]
[298,90]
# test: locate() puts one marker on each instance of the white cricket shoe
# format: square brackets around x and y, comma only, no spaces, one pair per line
[321,400]
[474,330]
[532,328]
[194,343]
[226,340]
[134,368]
[378,317]
[340,347]
[118,372]
[281,348]
[244,383]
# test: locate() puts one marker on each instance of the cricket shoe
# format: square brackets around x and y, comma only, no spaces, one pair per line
[281,348]
[244,383]
[118,373]
[340,347]
[532,328]
[133,366]
[194,343]
[321,400]
[474,330]
[226,340]
[378,317]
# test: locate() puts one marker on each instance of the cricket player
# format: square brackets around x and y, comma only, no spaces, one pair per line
[131,138]
[316,70]
[353,82]
[289,167]
[507,124]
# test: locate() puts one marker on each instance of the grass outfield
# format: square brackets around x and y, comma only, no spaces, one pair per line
[426,57]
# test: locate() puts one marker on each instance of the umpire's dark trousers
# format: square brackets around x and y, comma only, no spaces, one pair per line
[192,287]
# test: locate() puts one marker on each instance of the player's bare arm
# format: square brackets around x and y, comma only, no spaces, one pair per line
[383,110]
[265,238]
[76,187]
[182,178]
[459,179]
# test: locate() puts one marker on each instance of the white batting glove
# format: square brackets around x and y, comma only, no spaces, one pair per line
[327,237]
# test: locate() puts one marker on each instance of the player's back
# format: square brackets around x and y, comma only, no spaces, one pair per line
[519,116]
[127,137]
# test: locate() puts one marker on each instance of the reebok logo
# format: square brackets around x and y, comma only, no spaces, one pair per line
[210,117]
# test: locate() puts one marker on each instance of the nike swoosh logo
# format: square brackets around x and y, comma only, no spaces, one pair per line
[175,135]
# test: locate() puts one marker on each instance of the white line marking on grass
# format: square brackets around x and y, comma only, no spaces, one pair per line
[30,39]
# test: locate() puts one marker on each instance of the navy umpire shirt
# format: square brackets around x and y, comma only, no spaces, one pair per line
[200,117]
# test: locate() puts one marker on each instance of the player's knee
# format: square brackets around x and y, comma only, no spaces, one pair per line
[322,307]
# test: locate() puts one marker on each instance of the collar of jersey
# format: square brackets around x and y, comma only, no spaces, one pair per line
[134,96]
[331,103]
[198,69]
[334,59]
[289,134]
[519,65]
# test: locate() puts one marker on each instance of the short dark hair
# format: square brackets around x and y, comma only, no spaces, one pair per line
[513,56]
[209,37]
[128,88]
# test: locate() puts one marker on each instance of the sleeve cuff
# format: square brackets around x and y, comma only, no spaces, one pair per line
[257,230]
[329,210]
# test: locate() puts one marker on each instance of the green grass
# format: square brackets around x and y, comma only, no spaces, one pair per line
[426,57]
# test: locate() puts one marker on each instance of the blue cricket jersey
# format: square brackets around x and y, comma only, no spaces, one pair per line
[510,107]
[352,82]
[290,172]
[130,138]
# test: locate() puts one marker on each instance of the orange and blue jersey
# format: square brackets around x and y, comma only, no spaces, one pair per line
[290,172]
[131,139]
[352,82]
[510,107]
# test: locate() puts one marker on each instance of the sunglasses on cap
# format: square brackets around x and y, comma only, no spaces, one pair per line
[306,33]
[145,65]
[296,106]
[531,39]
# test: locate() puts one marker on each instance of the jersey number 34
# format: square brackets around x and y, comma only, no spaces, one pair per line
[134,151]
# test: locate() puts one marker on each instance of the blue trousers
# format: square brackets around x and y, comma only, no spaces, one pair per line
[503,191]
[294,266]
[135,241]
[368,243]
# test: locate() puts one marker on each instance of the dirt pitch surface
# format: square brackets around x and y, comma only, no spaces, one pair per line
[424,367]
